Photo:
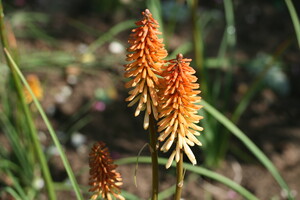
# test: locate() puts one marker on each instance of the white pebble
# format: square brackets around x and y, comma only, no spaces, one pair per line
[116,47]
[78,139]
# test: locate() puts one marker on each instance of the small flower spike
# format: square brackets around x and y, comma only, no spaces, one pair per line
[178,109]
[145,54]
[104,179]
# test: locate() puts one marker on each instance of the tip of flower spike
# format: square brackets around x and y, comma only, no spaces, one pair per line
[179,56]
[147,12]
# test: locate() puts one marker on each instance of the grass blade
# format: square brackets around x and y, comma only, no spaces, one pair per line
[230,25]
[249,144]
[167,192]
[196,169]
[18,188]
[49,127]
[27,117]
[12,192]
[17,146]
[128,195]
[155,8]
[295,18]
[254,86]
[110,34]
[183,49]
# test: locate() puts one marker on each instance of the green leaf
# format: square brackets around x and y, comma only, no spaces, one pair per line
[49,127]
[295,18]
[196,169]
[249,144]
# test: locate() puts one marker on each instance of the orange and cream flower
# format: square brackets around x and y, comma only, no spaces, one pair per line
[178,109]
[145,54]
[104,179]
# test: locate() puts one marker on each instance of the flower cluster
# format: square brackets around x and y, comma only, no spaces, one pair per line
[145,53]
[104,179]
[168,89]
[178,111]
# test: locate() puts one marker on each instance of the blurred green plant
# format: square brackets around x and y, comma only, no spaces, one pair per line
[48,125]
[196,169]
[30,23]
[275,78]
[249,144]
[295,19]
[21,118]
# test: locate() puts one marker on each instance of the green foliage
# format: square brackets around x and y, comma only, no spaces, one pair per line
[196,169]
[295,19]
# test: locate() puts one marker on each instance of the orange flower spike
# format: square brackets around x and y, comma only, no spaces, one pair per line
[104,179]
[35,86]
[178,109]
[145,53]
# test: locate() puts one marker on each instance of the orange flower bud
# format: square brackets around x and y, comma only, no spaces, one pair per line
[104,179]
[35,86]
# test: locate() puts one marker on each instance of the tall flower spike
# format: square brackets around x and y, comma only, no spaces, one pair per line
[145,53]
[104,179]
[178,109]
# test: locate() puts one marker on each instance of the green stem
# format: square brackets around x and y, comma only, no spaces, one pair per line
[2,28]
[198,45]
[179,177]
[28,118]
[249,144]
[154,157]
[109,35]
[224,135]
[295,18]
[49,127]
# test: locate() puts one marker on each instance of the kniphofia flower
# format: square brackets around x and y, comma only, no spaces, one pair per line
[35,86]
[145,54]
[178,109]
[104,179]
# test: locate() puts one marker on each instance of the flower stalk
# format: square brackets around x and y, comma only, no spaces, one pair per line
[154,157]
[49,127]
[179,176]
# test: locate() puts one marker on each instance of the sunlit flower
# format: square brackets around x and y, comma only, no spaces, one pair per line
[145,53]
[104,179]
[178,109]
[35,86]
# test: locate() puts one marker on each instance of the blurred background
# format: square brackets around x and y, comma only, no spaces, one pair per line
[246,55]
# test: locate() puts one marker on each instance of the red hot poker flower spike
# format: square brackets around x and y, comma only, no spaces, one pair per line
[104,179]
[178,109]
[145,53]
